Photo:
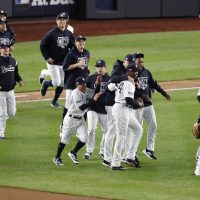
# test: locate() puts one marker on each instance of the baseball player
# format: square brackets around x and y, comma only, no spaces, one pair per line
[75,65]
[9,75]
[123,115]
[74,120]
[119,72]
[146,85]
[54,47]
[97,112]
[8,31]
[198,96]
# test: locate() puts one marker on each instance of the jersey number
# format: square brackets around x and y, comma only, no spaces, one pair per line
[120,87]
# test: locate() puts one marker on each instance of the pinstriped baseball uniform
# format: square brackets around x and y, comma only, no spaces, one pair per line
[124,119]
[74,120]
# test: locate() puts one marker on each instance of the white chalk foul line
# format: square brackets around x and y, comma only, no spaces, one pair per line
[39,100]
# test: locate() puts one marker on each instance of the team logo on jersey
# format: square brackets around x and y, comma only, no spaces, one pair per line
[103,86]
[142,81]
[62,42]
[85,62]
[5,69]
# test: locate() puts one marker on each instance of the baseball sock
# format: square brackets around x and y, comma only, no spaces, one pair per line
[58,92]
[61,146]
[49,83]
[78,146]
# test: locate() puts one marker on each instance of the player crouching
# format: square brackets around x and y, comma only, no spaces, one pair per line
[74,120]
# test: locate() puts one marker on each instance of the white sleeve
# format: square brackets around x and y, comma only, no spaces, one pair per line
[129,90]
[111,86]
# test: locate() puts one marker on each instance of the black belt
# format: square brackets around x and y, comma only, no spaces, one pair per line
[75,117]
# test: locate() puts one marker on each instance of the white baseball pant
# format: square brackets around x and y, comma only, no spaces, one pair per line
[57,74]
[124,118]
[7,109]
[93,118]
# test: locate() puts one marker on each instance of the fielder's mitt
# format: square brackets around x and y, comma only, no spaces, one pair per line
[139,102]
[196,130]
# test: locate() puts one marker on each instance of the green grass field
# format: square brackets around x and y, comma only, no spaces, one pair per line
[169,55]
[33,135]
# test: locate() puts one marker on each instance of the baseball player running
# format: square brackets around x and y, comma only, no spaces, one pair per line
[146,85]
[97,112]
[74,120]
[54,47]
[75,65]
[9,75]
[123,115]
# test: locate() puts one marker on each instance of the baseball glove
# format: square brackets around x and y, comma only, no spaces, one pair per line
[196,130]
[139,102]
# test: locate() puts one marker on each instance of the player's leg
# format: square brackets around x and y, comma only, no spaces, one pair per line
[82,135]
[58,90]
[137,131]
[43,74]
[150,117]
[102,118]
[120,114]
[92,118]
[197,168]
[3,114]
[109,138]
[11,104]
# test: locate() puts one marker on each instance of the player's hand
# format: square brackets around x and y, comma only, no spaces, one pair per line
[50,61]
[81,62]
[96,96]
[167,97]
[21,83]
[98,80]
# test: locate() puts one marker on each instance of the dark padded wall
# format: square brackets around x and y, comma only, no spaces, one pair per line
[142,8]
[179,8]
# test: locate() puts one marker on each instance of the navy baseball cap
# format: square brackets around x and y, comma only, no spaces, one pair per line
[138,55]
[130,58]
[100,63]
[63,15]
[80,80]
[4,42]
[132,67]
[80,37]
[2,12]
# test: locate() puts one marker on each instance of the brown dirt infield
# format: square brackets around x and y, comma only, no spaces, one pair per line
[27,30]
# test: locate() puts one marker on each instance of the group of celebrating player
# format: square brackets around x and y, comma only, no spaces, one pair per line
[118,102]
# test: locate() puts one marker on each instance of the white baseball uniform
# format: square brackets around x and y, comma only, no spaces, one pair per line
[124,119]
[197,169]
[74,119]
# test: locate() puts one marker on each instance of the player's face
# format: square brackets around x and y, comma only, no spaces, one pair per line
[126,63]
[61,23]
[2,26]
[139,62]
[5,51]
[80,45]
[101,70]
[3,17]
[82,87]
[133,74]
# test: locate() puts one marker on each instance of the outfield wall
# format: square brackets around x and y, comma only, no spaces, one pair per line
[102,9]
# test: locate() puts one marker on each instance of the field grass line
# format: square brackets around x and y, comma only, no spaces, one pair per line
[62,98]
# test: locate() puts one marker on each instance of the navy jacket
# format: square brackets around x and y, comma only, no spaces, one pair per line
[8,73]
[147,85]
[99,105]
[73,57]
[56,44]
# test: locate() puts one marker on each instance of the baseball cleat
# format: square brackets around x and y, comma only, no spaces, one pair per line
[55,105]
[120,168]
[106,163]
[58,161]
[87,155]
[149,154]
[101,155]
[2,137]
[73,157]
[133,163]
[44,88]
